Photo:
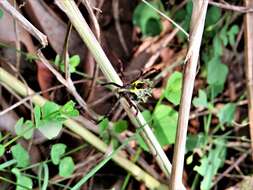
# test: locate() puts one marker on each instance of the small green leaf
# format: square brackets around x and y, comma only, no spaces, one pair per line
[24,129]
[69,110]
[165,124]
[66,167]
[217,45]
[201,100]
[120,126]
[142,143]
[216,72]
[226,114]
[57,60]
[23,182]
[28,128]
[210,164]
[50,129]
[74,61]
[223,36]
[174,87]
[103,125]
[37,115]
[213,16]
[214,90]
[148,19]
[2,150]
[232,34]
[49,108]
[195,141]
[20,155]
[57,152]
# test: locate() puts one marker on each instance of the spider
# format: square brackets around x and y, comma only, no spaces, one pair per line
[139,90]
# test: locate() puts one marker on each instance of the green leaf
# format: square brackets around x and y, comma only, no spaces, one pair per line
[20,155]
[226,114]
[142,143]
[103,125]
[2,150]
[24,129]
[214,90]
[57,152]
[50,129]
[50,109]
[216,72]
[201,100]
[120,126]
[213,16]
[232,34]
[66,167]
[37,115]
[174,87]
[217,45]
[148,19]
[223,36]
[57,60]
[210,164]
[74,61]
[23,182]
[165,124]
[69,110]
[195,141]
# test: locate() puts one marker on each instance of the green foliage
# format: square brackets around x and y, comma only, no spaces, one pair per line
[66,167]
[212,17]
[148,19]
[232,34]
[165,124]
[20,155]
[201,100]
[74,61]
[195,141]
[226,114]
[183,16]
[57,152]
[24,129]
[23,182]
[174,87]
[210,164]
[50,117]
[216,72]
[120,126]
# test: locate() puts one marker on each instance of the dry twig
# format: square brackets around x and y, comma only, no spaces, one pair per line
[197,27]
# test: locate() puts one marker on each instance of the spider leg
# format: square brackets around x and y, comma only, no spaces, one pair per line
[109,113]
[112,83]
[131,103]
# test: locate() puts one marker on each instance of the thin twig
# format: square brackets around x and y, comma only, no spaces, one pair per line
[197,27]
[248,36]
[231,7]
[168,18]
[98,36]
[69,85]
[115,13]
[24,22]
